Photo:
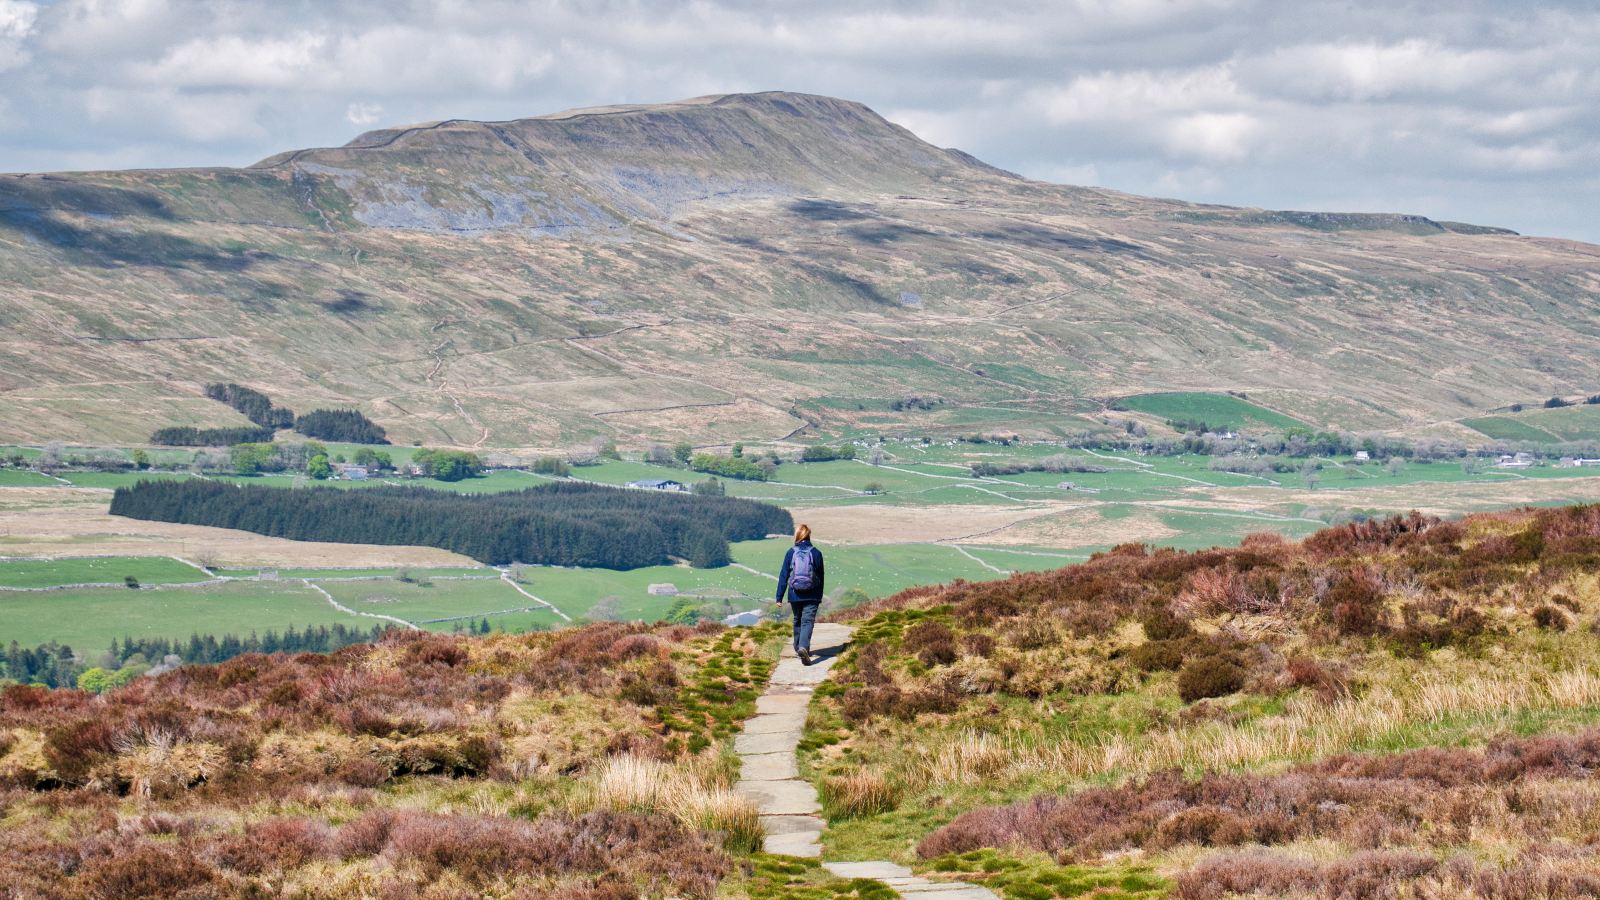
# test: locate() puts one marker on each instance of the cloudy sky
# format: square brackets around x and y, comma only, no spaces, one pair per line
[1477,110]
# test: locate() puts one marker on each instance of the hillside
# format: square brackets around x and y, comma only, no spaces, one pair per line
[1395,708]
[740,267]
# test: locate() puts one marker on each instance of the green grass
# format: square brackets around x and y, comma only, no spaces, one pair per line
[1505,428]
[792,878]
[36,573]
[415,573]
[88,618]
[25,478]
[420,602]
[1566,423]
[1216,410]
[1037,877]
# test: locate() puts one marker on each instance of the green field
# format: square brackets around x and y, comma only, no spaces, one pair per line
[424,603]
[1216,410]
[1505,428]
[88,619]
[38,573]
[1545,426]
[25,478]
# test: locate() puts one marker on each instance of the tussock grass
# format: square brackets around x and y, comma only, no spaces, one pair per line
[630,783]
[859,793]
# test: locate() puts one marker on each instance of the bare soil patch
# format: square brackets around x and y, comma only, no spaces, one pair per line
[1082,527]
[872,524]
[57,522]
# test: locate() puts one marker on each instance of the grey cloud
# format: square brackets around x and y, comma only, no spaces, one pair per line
[1474,110]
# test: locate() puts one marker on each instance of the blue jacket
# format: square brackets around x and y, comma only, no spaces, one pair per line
[816,581]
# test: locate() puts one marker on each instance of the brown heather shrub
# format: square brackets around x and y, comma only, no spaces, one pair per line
[863,704]
[74,749]
[1210,675]
[433,650]
[148,870]
[1372,536]
[1329,684]
[654,687]
[1370,874]
[1551,618]
[1031,634]
[1565,602]
[1435,623]
[931,642]
[483,850]
[275,844]
[1354,604]
[636,645]
[1158,656]
[978,644]
[1432,798]
[1162,624]
[22,698]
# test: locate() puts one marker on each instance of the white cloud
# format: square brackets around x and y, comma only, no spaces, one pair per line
[1214,137]
[235,61]
[363,114]
[1369,70]
[17,19]
[1136,95]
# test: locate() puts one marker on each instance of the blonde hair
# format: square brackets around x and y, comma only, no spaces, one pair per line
[802,533]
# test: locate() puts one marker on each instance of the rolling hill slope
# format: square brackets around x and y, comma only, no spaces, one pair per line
[739,267]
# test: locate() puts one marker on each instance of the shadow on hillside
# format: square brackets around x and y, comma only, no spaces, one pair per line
[826,211]
[1040,238]
[110,248]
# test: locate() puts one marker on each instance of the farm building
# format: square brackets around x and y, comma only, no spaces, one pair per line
[1363,456]
[748,617]
[657,484]
[1517,461]
[350,472]
[662,590]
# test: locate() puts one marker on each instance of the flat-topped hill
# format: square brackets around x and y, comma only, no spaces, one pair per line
[740,266]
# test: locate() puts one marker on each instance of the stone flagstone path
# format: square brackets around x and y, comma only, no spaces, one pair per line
[790,811]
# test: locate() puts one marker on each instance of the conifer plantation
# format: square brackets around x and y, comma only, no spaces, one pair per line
[558,524]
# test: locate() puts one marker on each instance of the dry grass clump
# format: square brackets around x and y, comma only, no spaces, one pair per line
[859,793]
[630,783]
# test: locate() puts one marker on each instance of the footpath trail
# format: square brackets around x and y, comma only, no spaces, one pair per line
[770,774]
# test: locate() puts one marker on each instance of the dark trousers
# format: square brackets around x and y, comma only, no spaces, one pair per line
[805,616]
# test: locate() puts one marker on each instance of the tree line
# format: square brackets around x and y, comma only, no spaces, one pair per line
[58,665]
[252,404]
[189,436]
[347,425]
[564,524]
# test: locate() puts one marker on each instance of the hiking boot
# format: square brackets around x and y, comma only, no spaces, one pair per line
[805,656]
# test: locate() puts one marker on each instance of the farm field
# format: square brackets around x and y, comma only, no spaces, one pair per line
[1506,428]
[88,619]
[1567,423]
[41,573]
[1216,410]
[928,521]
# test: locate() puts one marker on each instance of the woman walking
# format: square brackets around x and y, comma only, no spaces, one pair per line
[801,579]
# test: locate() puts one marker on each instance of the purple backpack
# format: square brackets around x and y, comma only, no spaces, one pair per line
[802,569]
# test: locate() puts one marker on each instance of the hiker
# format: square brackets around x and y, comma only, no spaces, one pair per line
[801,579]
